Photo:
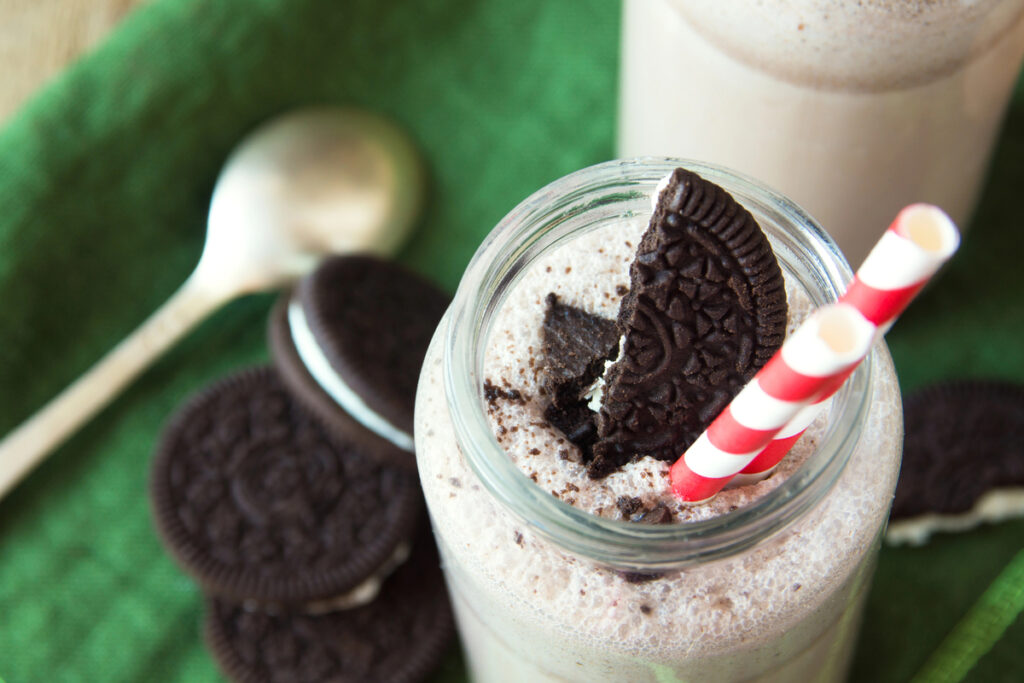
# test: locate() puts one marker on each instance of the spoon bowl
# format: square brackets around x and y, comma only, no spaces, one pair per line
[307,184]
[313,182]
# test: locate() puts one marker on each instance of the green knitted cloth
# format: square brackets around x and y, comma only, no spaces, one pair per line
[104,183]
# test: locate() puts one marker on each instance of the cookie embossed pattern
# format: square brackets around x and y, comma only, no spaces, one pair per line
[260,503]
[293,508]
[548,578]
[706,308]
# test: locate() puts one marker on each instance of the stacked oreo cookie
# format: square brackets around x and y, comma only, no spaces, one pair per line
[963,459]
[289,492]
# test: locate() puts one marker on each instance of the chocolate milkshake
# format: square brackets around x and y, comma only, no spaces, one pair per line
[852,109]
[553,572]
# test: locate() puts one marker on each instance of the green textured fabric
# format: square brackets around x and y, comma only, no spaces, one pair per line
[104,182]
[982,627]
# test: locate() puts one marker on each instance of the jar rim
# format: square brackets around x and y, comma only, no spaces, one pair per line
[540,223]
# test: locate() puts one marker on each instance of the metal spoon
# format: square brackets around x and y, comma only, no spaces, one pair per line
[309,183]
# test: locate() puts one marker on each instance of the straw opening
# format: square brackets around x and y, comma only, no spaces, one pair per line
[845,331]
[929,228]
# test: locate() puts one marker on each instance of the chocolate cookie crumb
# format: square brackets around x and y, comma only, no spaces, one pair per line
[659,514]
[640,577]
[628,505]
[492,394]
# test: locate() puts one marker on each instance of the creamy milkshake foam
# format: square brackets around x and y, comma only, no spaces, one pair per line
[852,109]
[782,606]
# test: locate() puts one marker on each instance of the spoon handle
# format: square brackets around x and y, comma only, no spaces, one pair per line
[29,444]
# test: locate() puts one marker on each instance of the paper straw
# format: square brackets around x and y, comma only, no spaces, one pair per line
[765,462]
[918,242]
[916,245]
[830,342]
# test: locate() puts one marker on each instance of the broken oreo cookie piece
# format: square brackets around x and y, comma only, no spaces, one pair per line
[963,459]
[576,345]
[706,309]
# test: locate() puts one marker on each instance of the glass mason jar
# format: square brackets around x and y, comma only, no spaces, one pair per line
[546,591]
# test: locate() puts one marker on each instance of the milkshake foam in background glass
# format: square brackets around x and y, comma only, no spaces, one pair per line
[852,109]
[764,582]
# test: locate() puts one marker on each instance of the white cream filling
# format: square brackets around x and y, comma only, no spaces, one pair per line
[365,593]
[662,185]
[994,506]
[319,367]
[595,393]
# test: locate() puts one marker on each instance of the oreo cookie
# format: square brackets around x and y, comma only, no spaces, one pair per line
[706,309]
[259,502]
[349,342]
[963,459]
[399,637]
[576,345]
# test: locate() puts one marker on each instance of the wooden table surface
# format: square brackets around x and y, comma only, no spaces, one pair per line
[38,38]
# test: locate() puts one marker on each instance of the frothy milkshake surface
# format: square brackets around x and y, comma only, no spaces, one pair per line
[785,609]
[864,45]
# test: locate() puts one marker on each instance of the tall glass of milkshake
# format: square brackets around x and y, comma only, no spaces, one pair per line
[852,109]
[550,578]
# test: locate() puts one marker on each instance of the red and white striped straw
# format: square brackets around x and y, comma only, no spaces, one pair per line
[831,341]
[766,461]
[918,242]
[915,246]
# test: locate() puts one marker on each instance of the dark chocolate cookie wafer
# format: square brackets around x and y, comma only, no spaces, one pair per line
[311,394]
[350,342]
[705,310]
[576,345]
[400,637]
[963,453]
[258,501]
